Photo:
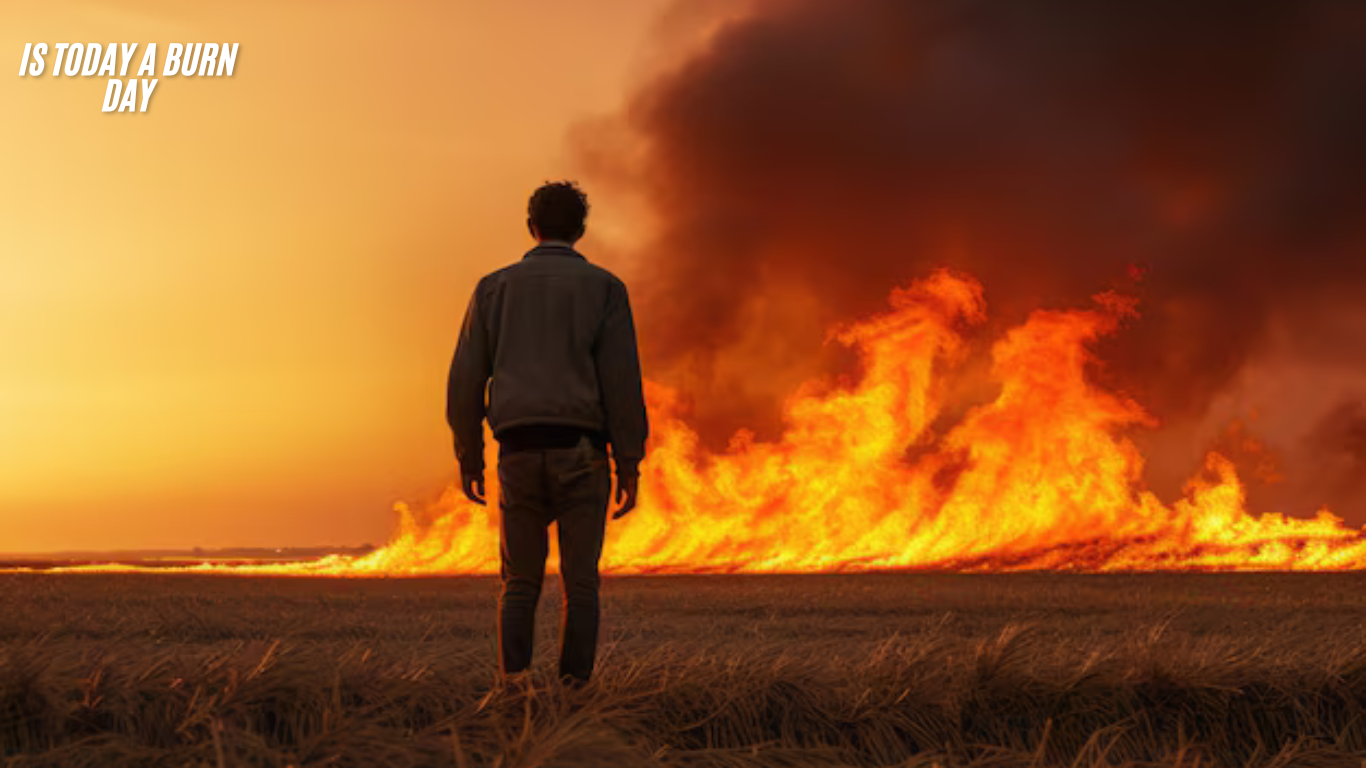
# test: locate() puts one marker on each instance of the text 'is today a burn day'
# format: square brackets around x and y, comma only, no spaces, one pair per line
[84,60]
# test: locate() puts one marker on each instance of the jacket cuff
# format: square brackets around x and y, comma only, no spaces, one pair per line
[628,467]
[471,462]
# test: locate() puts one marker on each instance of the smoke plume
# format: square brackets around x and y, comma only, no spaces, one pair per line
[1208,158]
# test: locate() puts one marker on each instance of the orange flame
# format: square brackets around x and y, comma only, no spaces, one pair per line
[1040,477]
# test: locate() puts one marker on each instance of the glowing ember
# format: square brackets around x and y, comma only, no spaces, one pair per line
[1041,477]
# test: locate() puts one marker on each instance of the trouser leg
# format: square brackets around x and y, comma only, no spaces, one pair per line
[582,495]
[524,544]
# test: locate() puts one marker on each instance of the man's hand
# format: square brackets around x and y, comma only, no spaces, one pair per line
[473,483]
[627,487]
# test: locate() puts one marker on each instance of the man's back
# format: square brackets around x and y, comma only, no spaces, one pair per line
[555,339]
[547,313]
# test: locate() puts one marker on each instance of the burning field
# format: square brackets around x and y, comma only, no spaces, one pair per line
[1040,476]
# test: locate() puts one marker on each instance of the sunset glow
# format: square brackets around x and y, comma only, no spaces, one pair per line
[226,321]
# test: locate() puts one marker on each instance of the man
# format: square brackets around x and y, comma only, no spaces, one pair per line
[553,339]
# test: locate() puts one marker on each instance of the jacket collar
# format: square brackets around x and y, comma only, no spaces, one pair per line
[552,248]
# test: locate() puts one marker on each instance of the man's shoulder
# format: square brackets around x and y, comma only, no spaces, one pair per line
[604,274]
[495,275]
[599,272]
[495,278]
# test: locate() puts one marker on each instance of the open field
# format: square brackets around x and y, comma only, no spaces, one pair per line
[894,669]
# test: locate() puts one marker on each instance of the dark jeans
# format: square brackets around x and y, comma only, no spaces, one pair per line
[570,487]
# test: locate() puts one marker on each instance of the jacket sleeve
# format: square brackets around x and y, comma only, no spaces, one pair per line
[618,367]
[470,371]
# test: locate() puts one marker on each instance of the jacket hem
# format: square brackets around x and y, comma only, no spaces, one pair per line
[531,421]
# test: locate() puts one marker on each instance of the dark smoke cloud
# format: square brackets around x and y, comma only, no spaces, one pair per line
[1341,435]
[1336,452]
[816,153]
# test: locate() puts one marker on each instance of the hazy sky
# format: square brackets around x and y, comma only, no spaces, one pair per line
[227,321]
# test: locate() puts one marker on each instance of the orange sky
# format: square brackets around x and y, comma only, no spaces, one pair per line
[227,321]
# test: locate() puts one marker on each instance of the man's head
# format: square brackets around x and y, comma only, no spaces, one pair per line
[557,211]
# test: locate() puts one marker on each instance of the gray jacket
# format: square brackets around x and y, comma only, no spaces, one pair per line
[553,339]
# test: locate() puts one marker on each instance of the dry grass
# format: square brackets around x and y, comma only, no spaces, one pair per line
[877,670]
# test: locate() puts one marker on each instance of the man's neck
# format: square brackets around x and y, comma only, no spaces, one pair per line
[559,243]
